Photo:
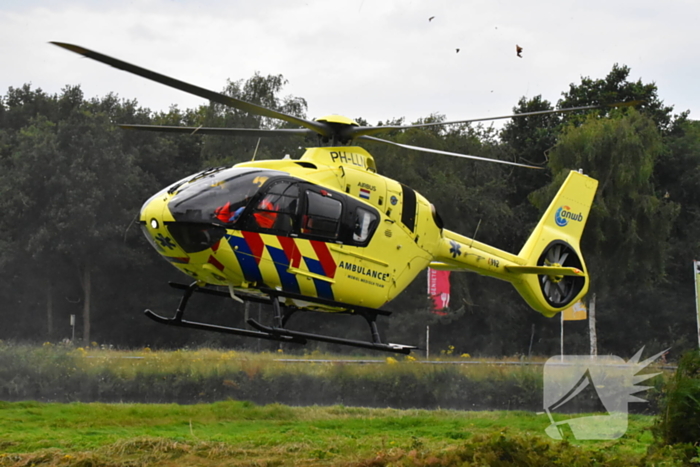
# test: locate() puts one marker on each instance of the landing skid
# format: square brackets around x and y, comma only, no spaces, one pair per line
[282,314]
[178,321]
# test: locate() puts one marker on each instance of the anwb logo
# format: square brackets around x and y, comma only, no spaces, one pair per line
[606,383]
[564,213]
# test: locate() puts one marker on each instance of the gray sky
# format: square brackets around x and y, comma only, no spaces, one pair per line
[376,59]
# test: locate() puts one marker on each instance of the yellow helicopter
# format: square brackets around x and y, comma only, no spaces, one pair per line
[328,233]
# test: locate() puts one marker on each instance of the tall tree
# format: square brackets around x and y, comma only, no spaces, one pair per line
[627,215]
[626,242]
[616,88]
[677,179]
[70,193]
[261,90]
[531,138]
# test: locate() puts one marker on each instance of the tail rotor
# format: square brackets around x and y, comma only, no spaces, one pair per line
[560,290]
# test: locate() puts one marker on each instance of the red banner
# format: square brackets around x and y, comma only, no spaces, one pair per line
[439,290]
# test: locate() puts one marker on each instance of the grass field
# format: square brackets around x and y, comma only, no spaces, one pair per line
[214,426]
[51,373]
[241,433]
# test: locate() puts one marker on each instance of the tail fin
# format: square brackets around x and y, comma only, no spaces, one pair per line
[554,275]
[549,272]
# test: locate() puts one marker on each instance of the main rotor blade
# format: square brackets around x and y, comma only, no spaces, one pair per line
[191,130]
[373,130]
[447,153]
[318,127]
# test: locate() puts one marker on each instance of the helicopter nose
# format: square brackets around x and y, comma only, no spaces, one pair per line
[185,244]
[154,216]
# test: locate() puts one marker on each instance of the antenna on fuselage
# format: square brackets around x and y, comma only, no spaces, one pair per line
[475,232]
[256,150]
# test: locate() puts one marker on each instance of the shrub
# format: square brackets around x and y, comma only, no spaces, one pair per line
[679,420]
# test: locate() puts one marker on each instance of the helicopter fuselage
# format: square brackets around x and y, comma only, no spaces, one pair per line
[326,225]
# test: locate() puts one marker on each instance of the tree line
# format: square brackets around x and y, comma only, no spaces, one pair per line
[72,183]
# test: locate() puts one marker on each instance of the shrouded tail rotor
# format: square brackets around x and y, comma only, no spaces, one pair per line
[560,290]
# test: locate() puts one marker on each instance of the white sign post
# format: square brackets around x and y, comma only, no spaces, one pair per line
[696,271]
[72,323]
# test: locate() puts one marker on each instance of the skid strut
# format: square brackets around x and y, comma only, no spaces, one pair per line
[282,313]
[376,343]
[178,321]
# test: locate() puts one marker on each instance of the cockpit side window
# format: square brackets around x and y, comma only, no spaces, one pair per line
[219,197]
[322,215]
[277,209]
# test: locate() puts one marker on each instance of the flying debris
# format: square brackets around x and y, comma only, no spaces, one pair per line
[457,50]
[518,50]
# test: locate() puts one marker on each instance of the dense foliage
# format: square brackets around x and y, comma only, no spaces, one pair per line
[72,183]
[679,421]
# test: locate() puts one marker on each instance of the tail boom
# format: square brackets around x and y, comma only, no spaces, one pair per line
[549,271]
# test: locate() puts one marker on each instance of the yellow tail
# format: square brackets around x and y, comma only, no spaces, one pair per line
[549,272]
[559,277]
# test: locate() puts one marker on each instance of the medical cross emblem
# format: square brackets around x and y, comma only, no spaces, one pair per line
[455,249]
[164,241]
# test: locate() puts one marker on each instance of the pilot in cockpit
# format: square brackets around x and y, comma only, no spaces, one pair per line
[228,215]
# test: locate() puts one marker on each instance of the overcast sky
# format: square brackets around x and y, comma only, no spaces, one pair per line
[376,59]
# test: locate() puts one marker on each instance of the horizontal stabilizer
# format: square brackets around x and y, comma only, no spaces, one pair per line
[545,270]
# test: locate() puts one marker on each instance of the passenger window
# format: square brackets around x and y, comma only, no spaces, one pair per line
[364,224]
[277,209]
[322,216]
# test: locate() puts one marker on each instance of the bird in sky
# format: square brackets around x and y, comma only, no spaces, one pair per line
[518,50]
[457,50]
[431,18]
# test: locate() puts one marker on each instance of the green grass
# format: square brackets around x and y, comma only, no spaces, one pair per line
[241,433]
[222,430]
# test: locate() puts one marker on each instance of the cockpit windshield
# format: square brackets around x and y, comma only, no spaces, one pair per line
[219,197]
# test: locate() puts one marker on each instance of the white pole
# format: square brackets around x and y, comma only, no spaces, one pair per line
[561,353]
[427,342]
[696,270]
[591,327]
